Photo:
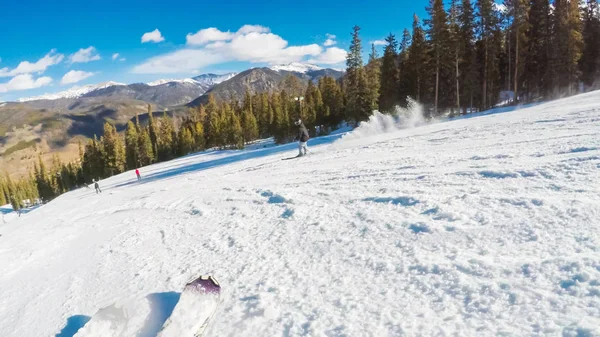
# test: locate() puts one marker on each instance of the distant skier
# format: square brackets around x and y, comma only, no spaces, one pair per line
[137,173]
[302,138]
[96,186]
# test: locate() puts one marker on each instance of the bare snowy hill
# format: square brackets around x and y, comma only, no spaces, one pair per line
[480,226]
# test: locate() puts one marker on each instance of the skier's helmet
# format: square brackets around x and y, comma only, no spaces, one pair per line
[298,122]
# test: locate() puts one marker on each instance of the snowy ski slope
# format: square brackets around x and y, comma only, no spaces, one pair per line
[483,226]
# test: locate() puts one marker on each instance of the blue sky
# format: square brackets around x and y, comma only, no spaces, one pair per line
[52,46]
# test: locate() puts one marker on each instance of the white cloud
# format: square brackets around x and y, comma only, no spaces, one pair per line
[379,42]
[251,43]
[122,59]
[212,34]
[331,55]
[177,62]
[330,40]
[75,76]
[39,67]
[153,36]
[85,55]
[247,29]
[115,56]
[208,35]
[24,82]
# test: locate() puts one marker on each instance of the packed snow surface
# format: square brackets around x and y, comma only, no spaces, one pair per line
[482,226]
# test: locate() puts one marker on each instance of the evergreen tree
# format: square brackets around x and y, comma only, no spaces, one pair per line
[454,37]
[404,69]
[310,116]
[373,72]
[467,66]
[417,60]
[488,27]
[213,126]
[438,39]
[266,119]
[517,13]
[186,141]
[249,125]
[153,133]
[280,122]
[357,91]
[199,141]
[537,74]
[113,150]
[166,146]
[590,59]
[145,151]
[567,45]
[333,101]
[131,146]
[388,93]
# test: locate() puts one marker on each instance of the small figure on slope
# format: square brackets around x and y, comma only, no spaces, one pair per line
[96,186]
[137,173]
[302,138]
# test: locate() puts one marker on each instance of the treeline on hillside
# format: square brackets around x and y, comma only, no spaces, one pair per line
[463,56]
[458,60]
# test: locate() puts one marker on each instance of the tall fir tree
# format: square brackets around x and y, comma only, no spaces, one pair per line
[373,69]
[404,69]
[417,60]
[213,127]
[131,146]
[390,76]
[145,151]
[567,46]
[468,65]
[590,58]
[199,141]
[518,25]
[488,28]
[333,101]
[249,125]
[166,148]
[438,39]
[186,141]
[113,151]
[455,46]
[357,91]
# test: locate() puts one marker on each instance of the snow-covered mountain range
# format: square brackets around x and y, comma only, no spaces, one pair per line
[202,82]
[204,79]
[296,67]
[186,87]
[74,92]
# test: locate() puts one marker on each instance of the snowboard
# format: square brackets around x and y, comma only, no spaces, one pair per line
[194,311]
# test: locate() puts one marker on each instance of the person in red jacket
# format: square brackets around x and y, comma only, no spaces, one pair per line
[137,173]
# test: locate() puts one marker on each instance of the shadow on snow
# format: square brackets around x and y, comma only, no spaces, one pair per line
[74,323]
[161,308]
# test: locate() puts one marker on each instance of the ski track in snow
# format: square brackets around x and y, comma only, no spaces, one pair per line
[479,226]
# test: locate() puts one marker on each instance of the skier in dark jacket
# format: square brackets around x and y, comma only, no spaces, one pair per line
[96,186]
[303,137]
